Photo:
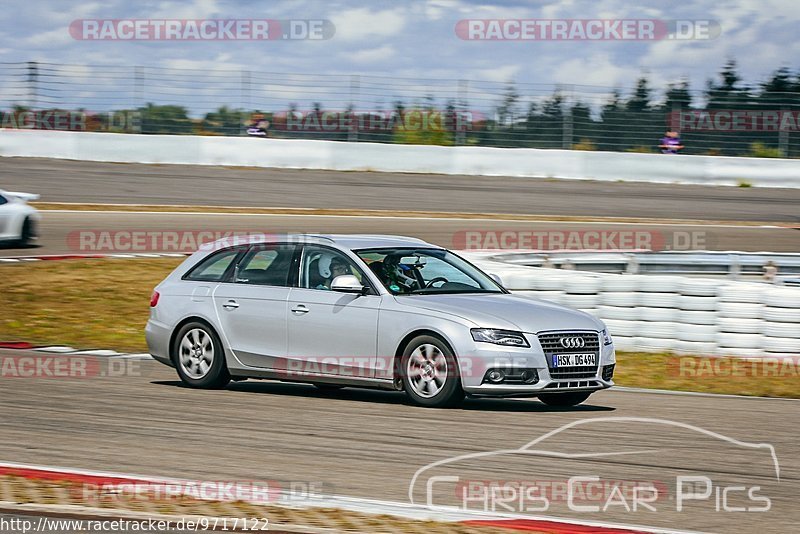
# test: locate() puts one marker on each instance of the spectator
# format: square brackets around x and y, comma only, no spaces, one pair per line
[567,265]
[258,126]
[770,272]
[670,143]
[547,263]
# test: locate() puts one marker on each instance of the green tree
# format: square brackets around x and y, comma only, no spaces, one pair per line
[165,120]
[224,121]
[640,99]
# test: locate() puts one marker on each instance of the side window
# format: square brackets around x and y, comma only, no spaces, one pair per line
[3,200]
[321,265]
[213,268]
[266,265]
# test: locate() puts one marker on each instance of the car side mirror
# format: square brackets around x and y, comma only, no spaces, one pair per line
[347,283]
[495,278]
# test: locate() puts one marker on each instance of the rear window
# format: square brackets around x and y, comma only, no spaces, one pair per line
[214,267]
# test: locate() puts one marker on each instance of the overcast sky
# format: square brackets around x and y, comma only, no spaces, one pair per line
[418,39]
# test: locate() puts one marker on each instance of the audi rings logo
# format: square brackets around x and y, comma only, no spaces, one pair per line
[572,342]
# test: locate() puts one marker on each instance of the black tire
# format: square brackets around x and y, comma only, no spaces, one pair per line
[564,400]
[27,234]
[328,387]
[450,392]
[217,375]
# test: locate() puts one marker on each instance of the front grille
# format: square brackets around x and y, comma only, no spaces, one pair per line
[573,385]
[551,345]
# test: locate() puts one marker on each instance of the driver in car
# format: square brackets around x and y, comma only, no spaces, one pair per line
[337,268]
[399,277]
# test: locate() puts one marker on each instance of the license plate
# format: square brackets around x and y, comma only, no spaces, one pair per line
[574,360]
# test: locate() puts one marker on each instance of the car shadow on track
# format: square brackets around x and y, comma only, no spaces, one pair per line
[11,245]
[377,396]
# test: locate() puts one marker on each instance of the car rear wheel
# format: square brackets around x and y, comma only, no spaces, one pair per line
[564,400]
[430,373]
[200,358]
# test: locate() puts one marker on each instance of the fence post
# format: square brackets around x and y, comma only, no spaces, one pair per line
[462,117]
[245,102]
[567,126]
[33,81]
[783,137]
[138,97]
[355,83]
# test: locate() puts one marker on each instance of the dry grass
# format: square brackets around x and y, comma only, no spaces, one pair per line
[709,375]
[99,303]
[103,303]
[65,494]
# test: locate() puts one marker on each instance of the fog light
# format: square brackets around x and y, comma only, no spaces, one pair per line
[530,377]
[495,376]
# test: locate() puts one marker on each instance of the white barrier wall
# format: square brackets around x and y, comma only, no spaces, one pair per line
[669,313]
[344,156]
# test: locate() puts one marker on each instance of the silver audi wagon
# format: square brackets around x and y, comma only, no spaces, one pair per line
[370,311]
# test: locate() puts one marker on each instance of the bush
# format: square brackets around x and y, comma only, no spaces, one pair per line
[585,144]
[760,150]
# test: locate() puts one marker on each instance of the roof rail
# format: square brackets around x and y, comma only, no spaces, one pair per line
[319,236]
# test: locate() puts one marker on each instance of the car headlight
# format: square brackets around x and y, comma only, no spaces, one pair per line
[606,337]
[508,338]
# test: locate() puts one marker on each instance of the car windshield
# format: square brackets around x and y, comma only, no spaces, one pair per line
[415,271]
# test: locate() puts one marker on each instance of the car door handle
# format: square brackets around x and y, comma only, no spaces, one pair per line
[231,305]
[300,309]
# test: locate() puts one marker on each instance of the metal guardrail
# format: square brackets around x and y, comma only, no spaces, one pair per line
[732,264]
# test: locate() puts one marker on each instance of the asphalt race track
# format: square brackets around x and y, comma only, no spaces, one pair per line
[60,230]
[369,444]
[666,205]
[81,181]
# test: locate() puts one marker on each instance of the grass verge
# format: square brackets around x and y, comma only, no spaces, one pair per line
[72,500]
[103,303]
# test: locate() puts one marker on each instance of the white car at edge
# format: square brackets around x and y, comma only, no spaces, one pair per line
[18,219]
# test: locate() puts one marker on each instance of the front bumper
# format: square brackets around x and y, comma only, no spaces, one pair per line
[480,358]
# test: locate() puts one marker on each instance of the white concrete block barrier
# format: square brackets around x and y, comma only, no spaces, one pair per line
[346,156]
[669,313]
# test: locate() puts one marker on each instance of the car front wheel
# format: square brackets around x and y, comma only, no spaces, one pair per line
[564,400]
[200,358]
[27,233]
[430,373]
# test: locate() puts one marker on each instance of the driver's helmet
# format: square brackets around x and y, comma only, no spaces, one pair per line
[324,264]
[331,266]
[397,273]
